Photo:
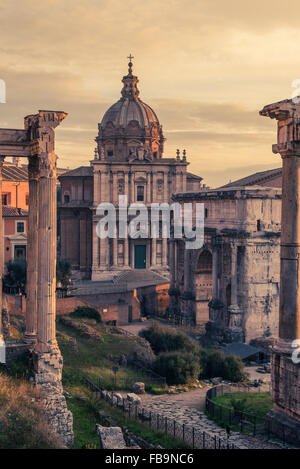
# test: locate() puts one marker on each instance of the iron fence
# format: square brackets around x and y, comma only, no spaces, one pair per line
[236,419]
[191,436]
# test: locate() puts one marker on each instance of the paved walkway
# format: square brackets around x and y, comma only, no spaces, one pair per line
[186,408]
[194,399]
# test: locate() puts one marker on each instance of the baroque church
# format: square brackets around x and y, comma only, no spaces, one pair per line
[128,161]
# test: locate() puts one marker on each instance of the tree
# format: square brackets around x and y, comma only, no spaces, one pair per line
[163,339]
[234,369]
[16,274]
[63,272]
[177,367]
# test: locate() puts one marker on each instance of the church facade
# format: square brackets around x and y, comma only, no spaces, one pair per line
[128,162]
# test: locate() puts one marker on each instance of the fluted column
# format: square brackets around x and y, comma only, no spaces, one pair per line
[153,260]
[126,253]
[30,336]
[47,234]
[165,252]
[2,350]
[285,369]
[234,277]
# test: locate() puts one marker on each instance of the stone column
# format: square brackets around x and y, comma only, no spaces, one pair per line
[2,348]
[126,253]
[47,215]
[153,259]
[234,333]
[148,197]
[30,336]
[115,253]
[165,252]
[285,416]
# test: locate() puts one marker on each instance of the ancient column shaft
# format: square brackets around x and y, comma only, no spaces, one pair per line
[289,318]
[47,235]
[32,250]
[285,416]
[1,250]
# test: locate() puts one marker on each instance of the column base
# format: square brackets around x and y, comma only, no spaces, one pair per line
[30,339]
[47,370]
[285,374]
[283,426]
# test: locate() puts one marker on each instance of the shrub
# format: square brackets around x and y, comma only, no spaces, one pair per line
[216,363]
[234,369]
[163,339]
[63,272]
[16,273]
[177,367]
[86,312]
[212,363]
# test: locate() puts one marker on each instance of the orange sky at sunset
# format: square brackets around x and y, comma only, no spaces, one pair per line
[206,67]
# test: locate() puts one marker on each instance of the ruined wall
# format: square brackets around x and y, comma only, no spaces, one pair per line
[259,289]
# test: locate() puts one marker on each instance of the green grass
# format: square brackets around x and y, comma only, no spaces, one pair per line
[252,403]
[86,415]
[227,413]
[92,360]
[84,422]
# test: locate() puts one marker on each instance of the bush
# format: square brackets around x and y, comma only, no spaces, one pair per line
[86,312]
[163,339]
[212,363]
[177,367]
[16,273]
[234,369]
[63,272]
[216,363]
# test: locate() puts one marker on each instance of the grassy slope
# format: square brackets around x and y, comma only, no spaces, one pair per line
[22,421]
[92,360]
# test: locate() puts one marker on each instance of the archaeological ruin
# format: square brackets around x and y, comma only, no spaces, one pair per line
[36,142]
[285,369]
[231,284]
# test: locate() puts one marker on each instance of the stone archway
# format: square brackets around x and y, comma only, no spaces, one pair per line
[203,285]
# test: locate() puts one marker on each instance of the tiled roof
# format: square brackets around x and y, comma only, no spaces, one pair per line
[12,172]
[256,178]
[13,212]
[81,171]
[193,176]
[241,350]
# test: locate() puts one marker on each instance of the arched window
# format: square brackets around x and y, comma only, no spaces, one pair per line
[204,263]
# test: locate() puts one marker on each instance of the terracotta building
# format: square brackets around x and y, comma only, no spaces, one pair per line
[128,161]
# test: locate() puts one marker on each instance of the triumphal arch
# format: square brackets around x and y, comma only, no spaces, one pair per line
[36,143]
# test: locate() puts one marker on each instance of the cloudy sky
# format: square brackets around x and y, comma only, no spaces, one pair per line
[207,67]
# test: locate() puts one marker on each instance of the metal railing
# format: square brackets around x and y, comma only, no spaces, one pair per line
[191,436]
[244,422]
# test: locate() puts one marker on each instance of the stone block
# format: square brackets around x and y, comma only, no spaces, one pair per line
[138,388]
[111,437]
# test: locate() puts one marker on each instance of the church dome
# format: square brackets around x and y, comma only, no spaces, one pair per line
[129,125]
[128,109]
